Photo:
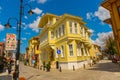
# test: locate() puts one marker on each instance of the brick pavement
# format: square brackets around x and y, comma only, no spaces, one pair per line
[104,70]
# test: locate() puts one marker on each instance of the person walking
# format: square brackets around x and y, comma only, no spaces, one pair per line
[9,68]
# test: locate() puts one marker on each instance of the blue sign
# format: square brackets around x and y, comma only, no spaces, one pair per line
[58,51]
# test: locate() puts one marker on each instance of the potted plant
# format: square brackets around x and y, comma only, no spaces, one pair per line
[48,67]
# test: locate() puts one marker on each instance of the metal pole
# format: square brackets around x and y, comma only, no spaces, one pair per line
[18,43]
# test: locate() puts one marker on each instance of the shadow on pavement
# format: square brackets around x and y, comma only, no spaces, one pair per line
[30,77]
[6,77]
[107,66]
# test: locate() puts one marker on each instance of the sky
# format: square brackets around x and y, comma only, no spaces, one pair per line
[91,12]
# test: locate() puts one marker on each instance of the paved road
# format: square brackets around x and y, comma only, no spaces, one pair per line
[104,70]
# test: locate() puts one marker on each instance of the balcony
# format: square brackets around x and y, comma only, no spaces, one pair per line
[108,21]
[37,51]
[107,4]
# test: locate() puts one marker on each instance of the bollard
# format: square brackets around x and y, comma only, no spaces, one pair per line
[44,68]
[60,69]
[73,68]
[84,66]
[90,64]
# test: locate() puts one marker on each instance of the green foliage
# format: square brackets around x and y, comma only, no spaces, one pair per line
[110,45]
[48,66]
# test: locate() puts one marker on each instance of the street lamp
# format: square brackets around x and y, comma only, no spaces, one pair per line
[19,24]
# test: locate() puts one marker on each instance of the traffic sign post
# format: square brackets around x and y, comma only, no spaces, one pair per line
[58,52]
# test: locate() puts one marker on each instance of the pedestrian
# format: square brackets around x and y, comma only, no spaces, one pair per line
[14,75]
[9,68]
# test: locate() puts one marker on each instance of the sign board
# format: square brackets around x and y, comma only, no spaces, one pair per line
[10,42]
[58,51]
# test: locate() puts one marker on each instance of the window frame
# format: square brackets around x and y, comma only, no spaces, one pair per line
[70,25]
[63,30]
[52,35]
[71,50]
[75,27]
[59,30]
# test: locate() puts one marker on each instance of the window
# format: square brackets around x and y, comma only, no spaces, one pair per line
[70,24]
[70,49]
[85,52]
[78,50]
[56,34]
[76,30]
[88,52]
[95,47]
[56,19]
[52,35]
[82,51]
[59,31]
[82,31]
[63,30]
[62,51]
[37,47]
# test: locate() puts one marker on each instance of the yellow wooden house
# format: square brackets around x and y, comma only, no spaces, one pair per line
[33,52]
[114,8]
[95,52]
[64,41]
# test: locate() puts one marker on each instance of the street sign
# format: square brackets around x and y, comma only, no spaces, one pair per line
[58,51]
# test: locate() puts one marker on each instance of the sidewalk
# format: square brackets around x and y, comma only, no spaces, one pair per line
[5,76]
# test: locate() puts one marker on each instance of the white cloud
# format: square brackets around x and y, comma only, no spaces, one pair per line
[34,25]
[31,0]
[1,27]
[110,26]
[25,17]
[24,26]
[101,38]
[39,1]
[4,39]
[27,33]
[14,27]
[89,15]
[37,11]
[42,1]
[43,14]
[102,13]
[24,38]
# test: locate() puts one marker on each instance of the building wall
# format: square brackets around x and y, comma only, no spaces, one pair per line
[1,48]
[64,33]
[33,52]
[95,52]
[115,16]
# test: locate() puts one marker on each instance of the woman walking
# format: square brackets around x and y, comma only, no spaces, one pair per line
[9,67]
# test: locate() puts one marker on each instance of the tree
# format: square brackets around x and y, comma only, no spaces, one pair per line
[110,45]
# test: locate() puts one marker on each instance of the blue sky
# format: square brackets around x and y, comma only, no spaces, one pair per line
[91,12]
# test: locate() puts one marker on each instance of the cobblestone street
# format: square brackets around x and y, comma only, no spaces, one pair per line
[104,70]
